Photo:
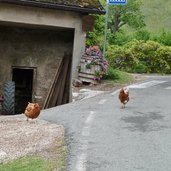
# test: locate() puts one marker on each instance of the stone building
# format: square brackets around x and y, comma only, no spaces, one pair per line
[41,43]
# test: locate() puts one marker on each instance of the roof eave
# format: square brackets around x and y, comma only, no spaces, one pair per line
[55,6]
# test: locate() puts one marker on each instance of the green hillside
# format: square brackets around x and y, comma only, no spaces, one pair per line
[157,15]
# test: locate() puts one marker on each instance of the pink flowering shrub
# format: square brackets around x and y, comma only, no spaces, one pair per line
[94,57]
[93,51]
[104,65]
[98,75]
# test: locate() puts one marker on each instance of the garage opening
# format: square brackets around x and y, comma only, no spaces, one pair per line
[23,79]
[45,53]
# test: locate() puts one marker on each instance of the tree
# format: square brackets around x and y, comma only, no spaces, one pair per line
[96,36]
[119,15]
[129,14]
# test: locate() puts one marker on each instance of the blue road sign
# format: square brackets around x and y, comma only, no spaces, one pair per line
[117,2]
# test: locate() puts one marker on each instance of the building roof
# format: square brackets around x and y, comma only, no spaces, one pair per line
[81,6]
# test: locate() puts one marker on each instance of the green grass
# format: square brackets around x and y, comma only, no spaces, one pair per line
[123,78]
[26,164]
[57,160]
[157,15]
[119,77]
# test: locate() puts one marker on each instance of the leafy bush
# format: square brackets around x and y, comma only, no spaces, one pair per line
[141,56]
[163,54]
[111,74]
[164,38]
[120,38]
[142,35]
[145,52]
[121,58]
[140,67]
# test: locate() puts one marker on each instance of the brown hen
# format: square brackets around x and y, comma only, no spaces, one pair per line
[32,110]
[124,96]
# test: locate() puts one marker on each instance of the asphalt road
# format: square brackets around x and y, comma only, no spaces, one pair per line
[103,137]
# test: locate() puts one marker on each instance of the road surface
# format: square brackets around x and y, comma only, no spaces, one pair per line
[103,137]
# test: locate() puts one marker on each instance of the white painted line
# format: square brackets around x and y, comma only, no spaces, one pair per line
[86,128]
[142,85]
[102,101]
[86,93]
[90,118]
[168,88]
[146,84]
[82,159]
[81,162]
[86,131]
[84,146]
[115,92]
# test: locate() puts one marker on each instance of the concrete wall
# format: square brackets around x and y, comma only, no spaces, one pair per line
[34,17]
[35,48]
[15,14]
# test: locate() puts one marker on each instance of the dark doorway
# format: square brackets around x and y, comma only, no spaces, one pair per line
[23,79]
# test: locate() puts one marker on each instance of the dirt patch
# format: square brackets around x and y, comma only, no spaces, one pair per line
[19,137]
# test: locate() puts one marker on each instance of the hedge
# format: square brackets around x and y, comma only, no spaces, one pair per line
[140,56]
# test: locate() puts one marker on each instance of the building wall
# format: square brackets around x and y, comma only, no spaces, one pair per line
[35,48]
[15,14]
[34,17]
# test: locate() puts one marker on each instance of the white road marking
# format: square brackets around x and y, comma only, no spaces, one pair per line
[89,93]
[90,118]
[146,84]
[84,145]
[142,85]
[86,131]
[81,162]
[82,159]
[102,101]
[115,92]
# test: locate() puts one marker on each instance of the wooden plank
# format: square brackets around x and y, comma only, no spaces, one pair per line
[64,76]
[59,91]
[51,89]
[56,89]
[67,83]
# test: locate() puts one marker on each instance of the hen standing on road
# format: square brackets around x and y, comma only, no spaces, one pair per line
[124,96]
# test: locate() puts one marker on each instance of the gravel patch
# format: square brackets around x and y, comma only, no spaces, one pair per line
[19,137]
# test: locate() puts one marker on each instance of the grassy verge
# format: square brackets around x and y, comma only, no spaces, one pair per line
[118,77]
[26,163]
[123,78]
[52,159]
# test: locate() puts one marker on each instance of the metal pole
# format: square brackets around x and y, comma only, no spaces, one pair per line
[105,30]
